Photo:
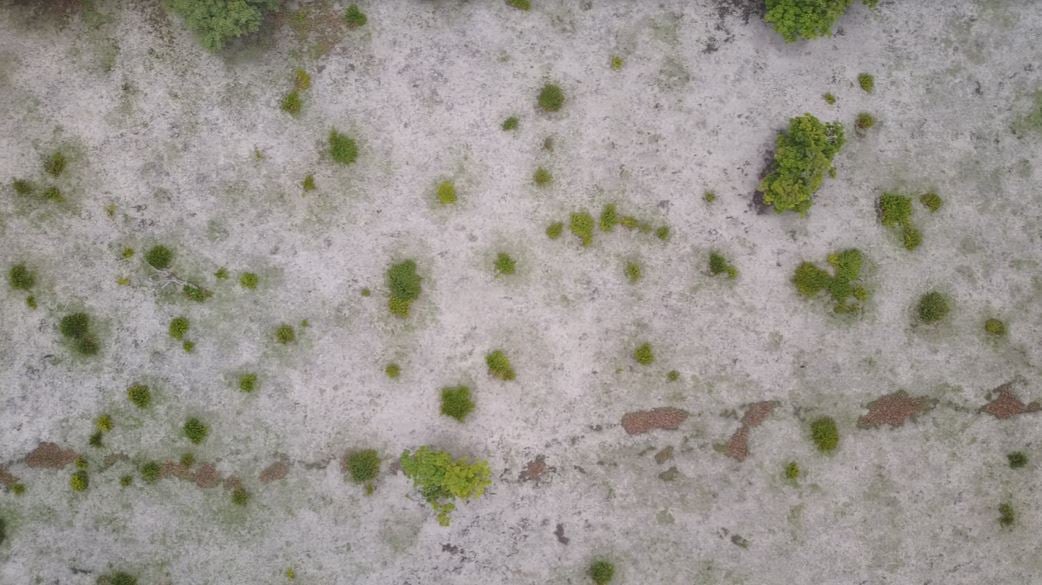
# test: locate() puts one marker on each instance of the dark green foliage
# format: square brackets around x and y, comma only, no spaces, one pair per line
[554,230]
[1007,517]
[931,201]
[456,402]
[995,327]
[76,327]
[510,123]
[285,334]
[188,346]
[196,292]
[221,273]
[824,434]
[719,265]
[643,354]
[442,479]
[117,578]
[187,460]
[499,365]
[806,19]
[3,530]
[178,327]
[829,98]
[405,286]
[520,4]
[126,481]
[581,225]
[864,121]
[291,103]
[22,187]
[20,277]
[802,155]
[792,471]
[867,82]
[504,264]
[633,272]
[355,17]
[551,98]
[601,572]
[673,376]
[1017,459]
[248,280]
[159,257]
[54,165]
[195,430]
[363,466]
[150,472]
[52,194]
[240,497]
[95,440]
[309,183]
[609,218]
[662,233]
[932,307]
[139,395]
[216,22]
[844,284]
[248,382]
[342,148]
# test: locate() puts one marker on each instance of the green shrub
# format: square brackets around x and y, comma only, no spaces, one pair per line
[995,327]
[895,212]
[581,225]
[285,334]
[405,286]
[248,280]
[355,17]
[139,395]
[291,103]
[609,218]
[79,481]
[150,472]
[1007,516]
[829,98]
[824,434]
[520,4]
[363,466]
[542,177]
[54,164]
[195,431]
[499,365]
[932,307]
[864,121]
[504,264]
[247,382]
[188,346]
[441,479]
[806,19]
[393,370]
[719,265]
[802,156]
[844,284]
[867,82]
[510,123]
[446,192]
[178,327]
[601,572]
[931,201]
[551,98]
[456,402]
[240,497]
[20,277]
[643,354]
[159,257]
[554,230]
[76,328]
[633,272]
[1017,459]
[216,22]
[342,148]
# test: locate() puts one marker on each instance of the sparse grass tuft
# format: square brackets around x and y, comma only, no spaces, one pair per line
[139,395]
[931,201]
[824,434]
[499,366]
[644,355]
[54,164]
[363,466]
[456,402]
[551,98]
[504,264]
[195,430]
[933,307]
[291,103]
[342,148]
[554,230]
[247,382]
[510,123]
[542,177]
[633,272]
[355,17]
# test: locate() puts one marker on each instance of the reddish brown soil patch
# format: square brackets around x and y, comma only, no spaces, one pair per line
[1006,404]
[7,479]
[204,476]
[894,410]
[50,456]
[642,421]
[755,415]
[231,482]
[207,476]
[664,455]
[275,471]
[534,470]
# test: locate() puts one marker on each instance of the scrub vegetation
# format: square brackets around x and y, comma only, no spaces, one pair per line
[844,285]
[442,479]
[802,156]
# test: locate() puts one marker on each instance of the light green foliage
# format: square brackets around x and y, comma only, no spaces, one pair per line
[499,365]
[247,382]
[456,402]
[405,287]
[54,164]
[159,257]
[103,423]
[291,103]
[643,354]
[504,264]
[178,327]
[355,17]
[806,19]
[126,481]
[933,307]
[802,156]
[221,273]
[1007,516]
[216,22]
[863,122]
[601,572]
[931,201]
[542,177]
[150,472]
[551,98]
[52,194]
[195,430]
[824,434]
[554,230]
[829,98]
[895,212]
[240,497]
[20,277]
[1017,459]
[510,123]
[285,334]
[867,82]
[609,217]
[441,479]
[446,192]
[342,148]
[662,233]
[139,395]
[995,327]
[719,265]
[520,4]
[196,292]
[792,471]
[248,280]
[309,183]
[117,578]
[79,481]
[633,272]
[363,466]
[188,346]
[844,285]
[581,225]
[127,253]
[709,197]
[76,328]
[616,63]
[393,370]
[301,80]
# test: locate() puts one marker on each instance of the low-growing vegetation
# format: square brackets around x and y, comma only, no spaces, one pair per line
[342,148]
[644,355]
[806,19]
[719,265]
[499,365]
[442,479]
[601,572]
[824,434]
[844,285]
[802,156]
[405,286]
[76,328]
[933,307]
[456,402]
[895,212]
[551,98]
[218,23]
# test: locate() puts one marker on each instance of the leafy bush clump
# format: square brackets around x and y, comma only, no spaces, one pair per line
[355,17]
[442,479]
[247,382]
[601,572]
[456,402]
[581,225]
[806,19]
[342,148]
[802,156]
[844,285]
[446,192]
[499,365]
[159,257]
[505,264]
[76,328]
[995,327]
[895,212]
[867,82]
[405,287]
[20,277]
[216,22]
[643,354]
[195,431]
[824,434]
[139,395]
[285,334]
[363,466]
[551,98]
[719,265]
[178,327]
[932,307]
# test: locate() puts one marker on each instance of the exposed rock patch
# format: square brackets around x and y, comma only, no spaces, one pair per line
[755,414]
[7,479]
[894,410]
[275,471]
[664,418]
[1006,404]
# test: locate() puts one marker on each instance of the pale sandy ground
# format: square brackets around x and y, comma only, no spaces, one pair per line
[191,149]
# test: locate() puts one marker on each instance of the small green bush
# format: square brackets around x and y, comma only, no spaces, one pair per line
[342,148]
[581,225]
[79,481]
[933,306]
[1007,516]
[54,164]
[355,17]
[309,183]
[240,497]
[867,82]
[20,277]
[551,98]
[895,212]
[643,354]
[616,62]
[792,471]
[363,466]
[216,22]
[393,370]
[931,201]
[633,272]
[520,4]
[542,177]
[178,327]
[150,472]
[247,382]
[499,365]
[824,434]
[248,280]
[405,287]
[291,103]
[864,121]
[554,230]
[446,192]
[456,402]
[159,257]
[139,395]
[609,217]
[76,328]
[195,431]
[806,19]
[662,233]
[441,479]
[504,264]
[802,156]
[844,285]
[995,327]
[601,572]
[829,98]
[1017,459]
[719,265]
[510,123]
[285,334]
